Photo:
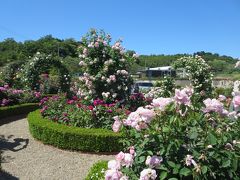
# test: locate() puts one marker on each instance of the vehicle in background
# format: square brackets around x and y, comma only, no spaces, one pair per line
[141,86]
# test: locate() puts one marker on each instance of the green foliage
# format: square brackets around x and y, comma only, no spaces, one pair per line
[97,171]
[73,138]
[223,91]
[17,109]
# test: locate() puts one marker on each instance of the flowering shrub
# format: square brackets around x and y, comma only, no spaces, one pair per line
[199,73]
[80,113]
[105,68]
[175,138]
[10,96]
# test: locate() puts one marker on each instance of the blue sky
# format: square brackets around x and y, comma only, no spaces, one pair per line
[148,27]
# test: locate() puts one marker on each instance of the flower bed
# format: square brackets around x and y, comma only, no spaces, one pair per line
[17,109]
[73,138]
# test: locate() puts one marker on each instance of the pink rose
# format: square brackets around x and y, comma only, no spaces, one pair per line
[128,160]
[132,150]
[181,97]
[146,114]
[221,98]
[153,161]
[117,125]
[236,101]
[113,164]
[148,174]
[161,103]
[120,156]
[113,174]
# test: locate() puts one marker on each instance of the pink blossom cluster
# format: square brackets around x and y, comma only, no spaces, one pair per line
[183,96]
[213,105]
[118,46]
[140,118]
[17,91]
[236,101]
[161,103]
[114,166]
[4,102]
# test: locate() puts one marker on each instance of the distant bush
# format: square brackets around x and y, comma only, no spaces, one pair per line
[223,91]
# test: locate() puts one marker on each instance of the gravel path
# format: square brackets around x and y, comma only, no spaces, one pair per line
[26,158]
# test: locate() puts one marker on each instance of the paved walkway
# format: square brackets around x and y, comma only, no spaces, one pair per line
[26,158]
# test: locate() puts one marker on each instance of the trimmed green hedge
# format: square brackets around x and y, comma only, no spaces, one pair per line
[17,109]
[97,171]
[73,138]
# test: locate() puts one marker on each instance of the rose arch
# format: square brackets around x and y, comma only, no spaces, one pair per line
[38,65]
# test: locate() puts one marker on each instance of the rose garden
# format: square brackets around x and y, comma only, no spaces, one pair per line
[168,132]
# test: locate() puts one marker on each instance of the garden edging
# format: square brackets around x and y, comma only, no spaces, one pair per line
[73,138]
[17,109]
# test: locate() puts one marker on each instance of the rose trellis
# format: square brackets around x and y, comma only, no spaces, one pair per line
[199,73]
[41,63]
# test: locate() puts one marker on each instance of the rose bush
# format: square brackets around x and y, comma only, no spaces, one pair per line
[179,138]
[105,68]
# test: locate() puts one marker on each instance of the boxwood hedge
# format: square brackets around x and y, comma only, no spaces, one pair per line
[17,109]
[97,171]
[73,138]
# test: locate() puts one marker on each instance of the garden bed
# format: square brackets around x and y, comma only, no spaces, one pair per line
[73,138]
[17,109]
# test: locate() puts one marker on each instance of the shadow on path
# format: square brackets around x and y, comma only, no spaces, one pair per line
[6,176]
[11,119]
[16,144]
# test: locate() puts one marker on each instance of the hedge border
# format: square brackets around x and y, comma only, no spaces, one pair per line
[73,138]
[17,109]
